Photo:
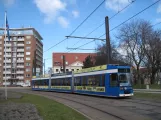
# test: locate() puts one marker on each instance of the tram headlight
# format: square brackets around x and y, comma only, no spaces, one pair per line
[121,88]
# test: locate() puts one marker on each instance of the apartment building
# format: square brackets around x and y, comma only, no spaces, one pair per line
[73,61]
[24,55]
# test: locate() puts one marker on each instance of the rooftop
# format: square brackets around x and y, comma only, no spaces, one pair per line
[70,58]
[16,31]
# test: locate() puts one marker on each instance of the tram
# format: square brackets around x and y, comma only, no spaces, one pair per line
[105,80]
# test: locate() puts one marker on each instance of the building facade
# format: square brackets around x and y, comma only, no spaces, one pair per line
[23,53]
[73,61]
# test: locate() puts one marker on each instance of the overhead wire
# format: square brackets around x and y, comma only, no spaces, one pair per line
[104,22]
[123,23]
[77,26]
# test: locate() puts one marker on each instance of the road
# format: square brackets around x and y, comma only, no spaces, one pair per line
[101,108]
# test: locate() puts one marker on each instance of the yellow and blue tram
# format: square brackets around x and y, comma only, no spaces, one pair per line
[105,80]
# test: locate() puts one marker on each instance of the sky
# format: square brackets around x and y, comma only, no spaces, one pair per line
[55,19]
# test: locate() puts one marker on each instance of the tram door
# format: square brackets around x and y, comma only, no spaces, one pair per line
[112,85]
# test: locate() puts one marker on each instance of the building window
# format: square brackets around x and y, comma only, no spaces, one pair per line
[0,48]
[57,70]
[76,57]
[0,37]
[27,53]
[67,70]
[28,69]
[28,37]
[66,62]
[27,64]
[27,75]
[0,42]
[28,42]
[72,69]
[61,57]
[0,53]
[27,48]
[27,58]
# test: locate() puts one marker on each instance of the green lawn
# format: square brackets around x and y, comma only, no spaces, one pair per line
[153,96]
[153,86]
[49,109]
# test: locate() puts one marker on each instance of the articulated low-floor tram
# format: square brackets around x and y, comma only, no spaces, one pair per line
[105,80]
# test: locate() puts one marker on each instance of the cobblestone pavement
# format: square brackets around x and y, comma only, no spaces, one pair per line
[18,111]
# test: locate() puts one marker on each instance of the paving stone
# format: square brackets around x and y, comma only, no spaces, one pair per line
[18,111]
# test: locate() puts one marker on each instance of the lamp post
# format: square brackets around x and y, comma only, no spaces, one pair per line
[44,64]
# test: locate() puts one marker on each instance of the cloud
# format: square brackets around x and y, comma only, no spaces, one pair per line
[116,5]
[75,13]
[63,21]
[158,20]
[8,2]
[159,9]
[50,8]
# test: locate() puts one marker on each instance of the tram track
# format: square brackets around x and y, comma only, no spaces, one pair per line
[96,108]
[142,102]
[115,116]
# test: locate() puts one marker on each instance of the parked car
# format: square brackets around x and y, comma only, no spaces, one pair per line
[25,85]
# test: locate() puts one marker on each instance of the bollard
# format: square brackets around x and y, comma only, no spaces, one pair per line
[147,87]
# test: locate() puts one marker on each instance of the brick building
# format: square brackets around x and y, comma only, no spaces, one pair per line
[24,55]
[73,61]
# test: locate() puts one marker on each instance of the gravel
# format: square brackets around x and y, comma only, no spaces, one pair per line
[18,111]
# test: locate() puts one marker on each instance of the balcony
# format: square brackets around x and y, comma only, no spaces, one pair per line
[20,61]
[8,45]
[20,45]
[20,39]
[20,50]
[7,55]
[8,61]
[20,72]
[20,66]
[20,77]
[20,55]
[7,50]
[7,66]
[6,77]
[6,72]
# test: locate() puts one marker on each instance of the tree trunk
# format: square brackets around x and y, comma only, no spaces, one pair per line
[138,76]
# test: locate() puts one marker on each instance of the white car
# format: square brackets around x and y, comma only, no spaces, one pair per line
[25,85]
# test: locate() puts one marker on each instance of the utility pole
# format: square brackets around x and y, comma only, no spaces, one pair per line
[64,63]
[108,46]
[44,67]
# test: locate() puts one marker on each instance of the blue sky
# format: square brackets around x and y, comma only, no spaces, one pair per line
[55,19]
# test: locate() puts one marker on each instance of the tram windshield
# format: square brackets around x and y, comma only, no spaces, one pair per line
[125,79]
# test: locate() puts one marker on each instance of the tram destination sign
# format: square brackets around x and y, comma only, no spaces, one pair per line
[97,68]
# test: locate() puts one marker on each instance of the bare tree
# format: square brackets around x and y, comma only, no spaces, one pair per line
[152,48]
[101,57]
[131,37]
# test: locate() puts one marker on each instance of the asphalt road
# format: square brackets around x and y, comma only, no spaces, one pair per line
[101,108]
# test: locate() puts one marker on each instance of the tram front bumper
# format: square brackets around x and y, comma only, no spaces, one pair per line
[126,95]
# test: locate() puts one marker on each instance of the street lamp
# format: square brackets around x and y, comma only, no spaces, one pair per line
[44,64]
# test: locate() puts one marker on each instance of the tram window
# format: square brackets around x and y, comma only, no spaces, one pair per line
[124,70]
[84,81]
[94,80]
[52,82]
[68,81]
[45,82]
[103,80]
[114,80]
[77,81]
